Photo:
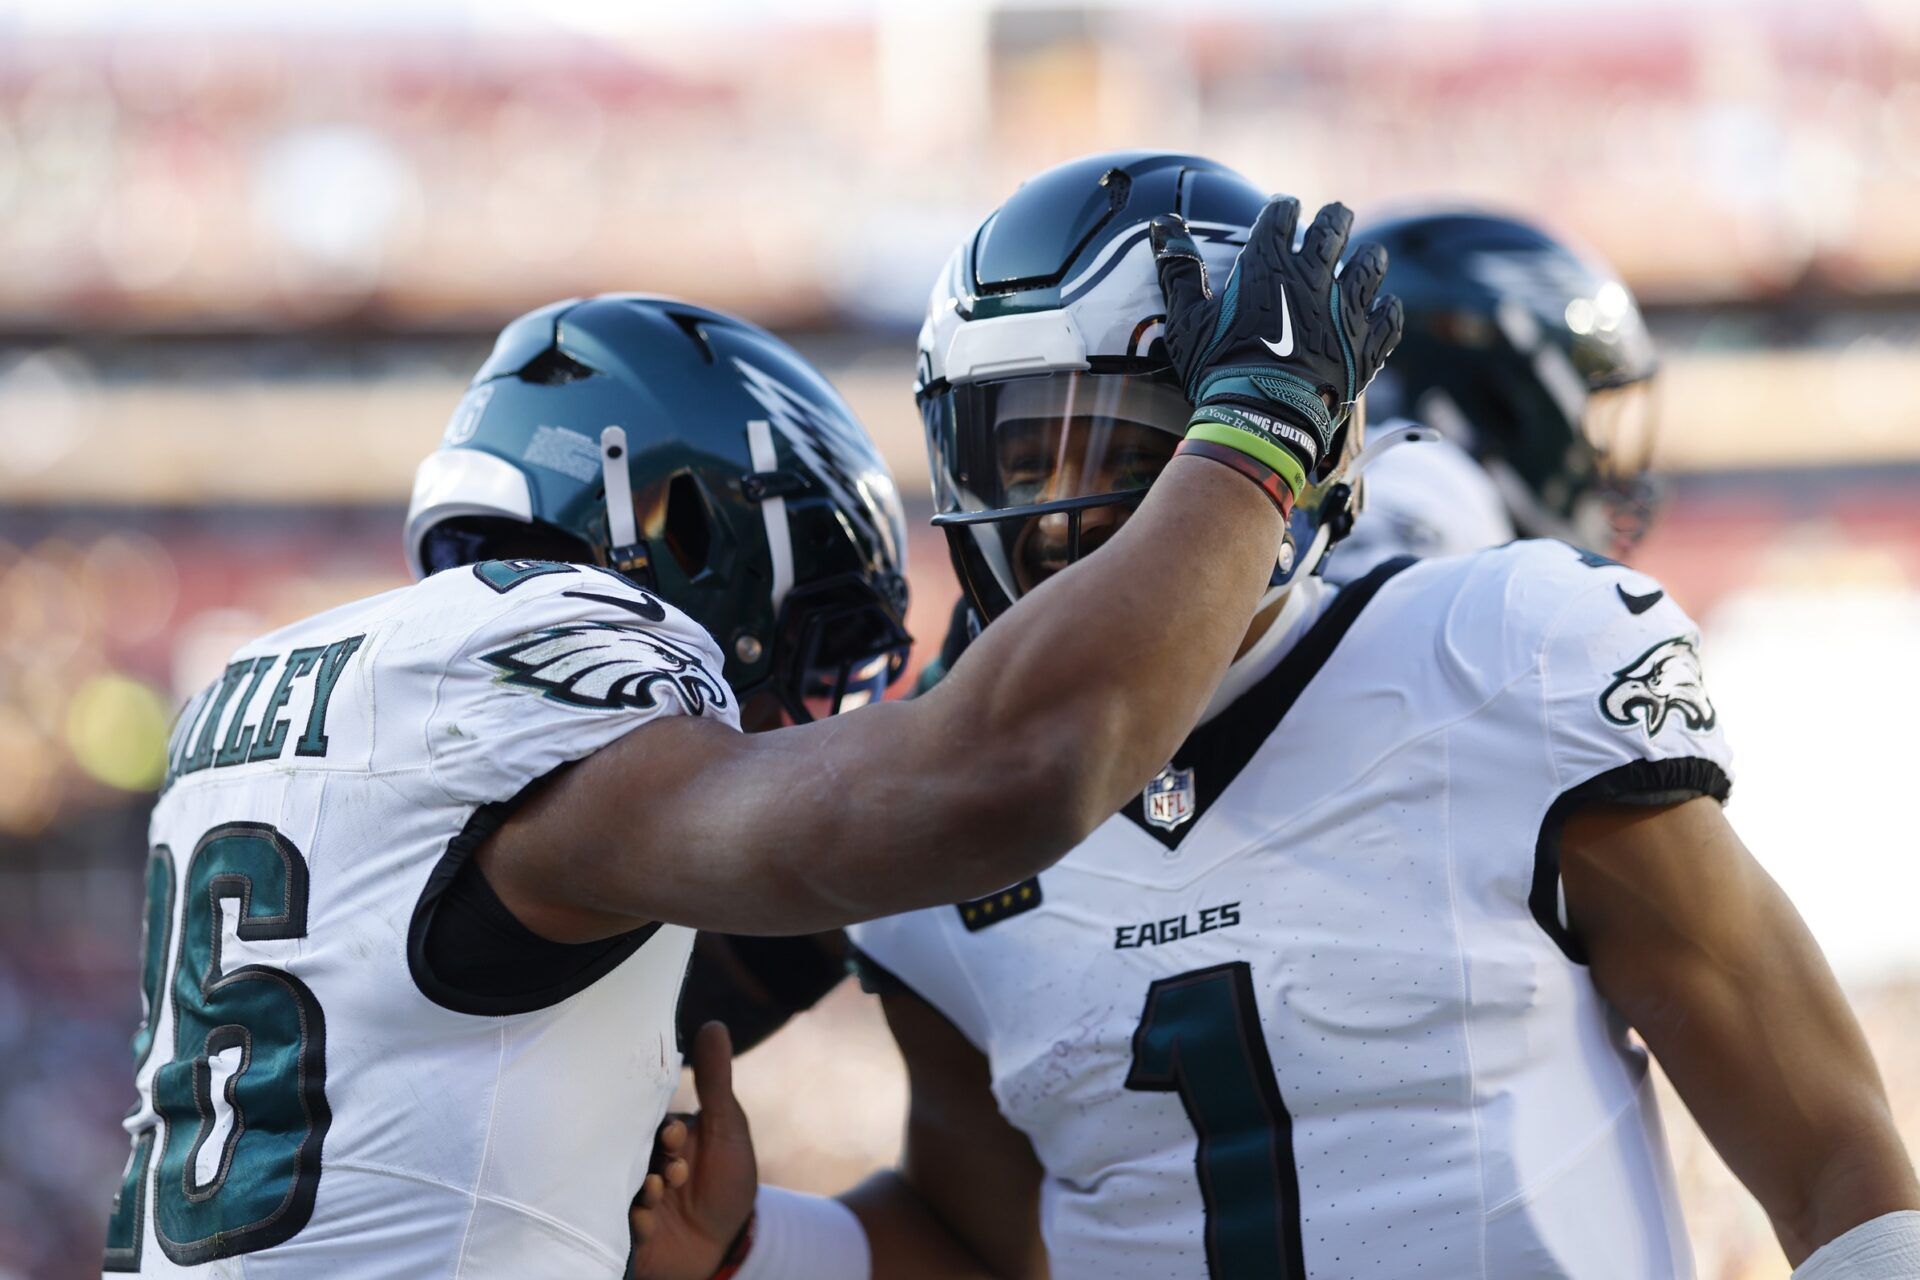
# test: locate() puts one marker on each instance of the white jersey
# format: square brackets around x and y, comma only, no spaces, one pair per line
[1309,1006]
[1426,499]
[313,1100]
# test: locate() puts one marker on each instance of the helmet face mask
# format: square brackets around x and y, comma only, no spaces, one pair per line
[1031,473]
[835,650]
[759,506]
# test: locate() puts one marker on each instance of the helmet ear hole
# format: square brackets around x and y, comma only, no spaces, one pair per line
[688,525]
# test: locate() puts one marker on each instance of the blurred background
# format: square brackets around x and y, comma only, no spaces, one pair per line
[249,254]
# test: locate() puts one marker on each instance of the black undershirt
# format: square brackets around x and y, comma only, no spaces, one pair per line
[469,953]
[476,945]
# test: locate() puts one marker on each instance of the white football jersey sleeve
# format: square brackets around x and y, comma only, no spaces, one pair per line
[598,658]
[313,1099]
[1309,1006]
[1625,711]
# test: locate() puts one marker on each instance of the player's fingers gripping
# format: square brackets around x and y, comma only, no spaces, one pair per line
[720,1112]
[1269,243]
[1183,275]
[643,1214]
[1360,280]
[1325,239]
[668,1168]
[1384,325]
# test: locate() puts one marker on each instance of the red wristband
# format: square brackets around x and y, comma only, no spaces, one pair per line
[1266,477]
[736,1256]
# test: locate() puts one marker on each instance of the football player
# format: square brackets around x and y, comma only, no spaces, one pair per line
[1347,989]
[1530,360]
[426,868]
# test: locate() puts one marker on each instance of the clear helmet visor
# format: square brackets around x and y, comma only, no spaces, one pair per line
[1039,471]
[1621,424]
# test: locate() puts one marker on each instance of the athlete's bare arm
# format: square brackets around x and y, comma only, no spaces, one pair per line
[1699,948]
[1059,712]
[965,1201]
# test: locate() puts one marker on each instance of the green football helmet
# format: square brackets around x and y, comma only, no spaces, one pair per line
[1047,395]
[702,458]
[1533,357]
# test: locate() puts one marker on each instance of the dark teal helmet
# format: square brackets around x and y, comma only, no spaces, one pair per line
[1045,388]
[1534,358]
[701,457]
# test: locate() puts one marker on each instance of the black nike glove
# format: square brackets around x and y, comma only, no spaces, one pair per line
[1274,362]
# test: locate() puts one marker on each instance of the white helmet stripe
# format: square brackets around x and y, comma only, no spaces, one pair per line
[613,472]
[773,511]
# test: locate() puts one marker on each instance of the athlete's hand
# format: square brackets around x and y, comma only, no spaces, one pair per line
[694,1204]
[1274,361]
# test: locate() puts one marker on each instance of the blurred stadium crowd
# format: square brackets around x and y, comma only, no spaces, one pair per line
[245,267]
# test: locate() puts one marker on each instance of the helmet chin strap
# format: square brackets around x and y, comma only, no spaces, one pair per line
[625,552]
[1297,567]
[773,510]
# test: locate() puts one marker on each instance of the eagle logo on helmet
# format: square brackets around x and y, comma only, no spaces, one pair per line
[1664,680]
[605,665]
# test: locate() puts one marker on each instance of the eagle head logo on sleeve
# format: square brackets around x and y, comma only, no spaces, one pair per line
[604,665]
[1663,681]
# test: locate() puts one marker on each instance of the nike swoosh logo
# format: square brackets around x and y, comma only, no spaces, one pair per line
[1284,347]
[1638,605]
[648,609]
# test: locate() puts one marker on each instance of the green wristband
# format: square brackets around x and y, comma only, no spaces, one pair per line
[1257,447]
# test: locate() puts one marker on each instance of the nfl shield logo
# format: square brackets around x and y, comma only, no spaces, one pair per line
[1169,798]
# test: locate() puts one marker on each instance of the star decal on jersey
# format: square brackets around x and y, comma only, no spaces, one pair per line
[977,913]
[605,665]
[1660,682]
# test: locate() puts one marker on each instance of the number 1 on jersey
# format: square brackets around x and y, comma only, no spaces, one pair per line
[1200,1037]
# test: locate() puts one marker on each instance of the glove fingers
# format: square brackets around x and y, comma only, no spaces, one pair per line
[1271,238]
[1328,236]
[1360,279]
[1384,325]
[1183,276]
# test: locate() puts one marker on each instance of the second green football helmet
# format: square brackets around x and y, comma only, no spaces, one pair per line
[701,457]
[1534,358]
